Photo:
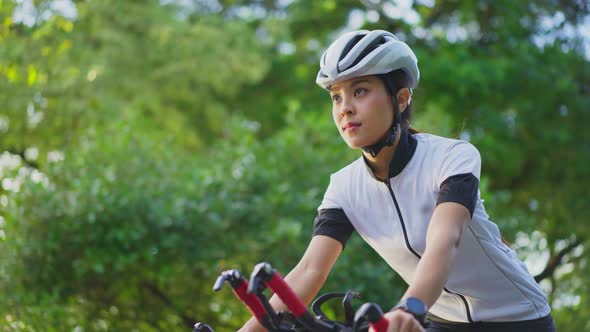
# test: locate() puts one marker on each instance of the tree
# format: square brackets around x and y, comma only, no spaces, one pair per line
[101,91]
[137,182]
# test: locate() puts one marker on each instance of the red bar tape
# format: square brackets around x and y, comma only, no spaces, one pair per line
[285,293]
[381,325]
[251,301]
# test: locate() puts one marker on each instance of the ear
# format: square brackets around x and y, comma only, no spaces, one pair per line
[404,96]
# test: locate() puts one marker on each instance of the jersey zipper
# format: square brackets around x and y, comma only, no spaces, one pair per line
[407,240]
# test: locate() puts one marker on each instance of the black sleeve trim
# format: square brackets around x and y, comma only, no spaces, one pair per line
[461,189]
[333,223]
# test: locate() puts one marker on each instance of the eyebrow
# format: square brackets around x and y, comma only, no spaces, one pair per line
[355,83]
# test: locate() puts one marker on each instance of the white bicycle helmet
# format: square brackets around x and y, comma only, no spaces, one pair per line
[364,52]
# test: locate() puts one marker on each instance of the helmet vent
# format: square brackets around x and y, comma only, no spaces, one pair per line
[350,45]
[370,48]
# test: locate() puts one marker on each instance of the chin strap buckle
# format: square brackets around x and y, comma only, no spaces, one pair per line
[386,141]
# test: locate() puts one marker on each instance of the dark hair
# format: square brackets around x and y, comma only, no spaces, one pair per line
[394,81]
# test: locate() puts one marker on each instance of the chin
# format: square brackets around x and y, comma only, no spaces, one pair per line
[355,142]
[353,145]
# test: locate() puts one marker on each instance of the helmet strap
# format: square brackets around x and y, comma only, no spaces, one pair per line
[389,138]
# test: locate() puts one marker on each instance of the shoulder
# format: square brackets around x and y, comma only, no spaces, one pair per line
[336,195]
[349,177]
[350,169]
[438,146]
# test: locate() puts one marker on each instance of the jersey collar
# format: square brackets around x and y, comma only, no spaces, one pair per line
[403,153]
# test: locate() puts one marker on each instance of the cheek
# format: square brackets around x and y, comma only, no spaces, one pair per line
[336,116]
[384,111]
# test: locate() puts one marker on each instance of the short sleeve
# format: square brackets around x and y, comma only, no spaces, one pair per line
[458,177]
[333,196]
[333,223]
[462,157]
[331,219]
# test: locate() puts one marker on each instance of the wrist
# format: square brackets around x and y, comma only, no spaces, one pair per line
[413,306]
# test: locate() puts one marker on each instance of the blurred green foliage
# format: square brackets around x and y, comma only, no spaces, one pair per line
[148,146]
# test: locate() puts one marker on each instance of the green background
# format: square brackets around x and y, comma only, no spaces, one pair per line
[146,146]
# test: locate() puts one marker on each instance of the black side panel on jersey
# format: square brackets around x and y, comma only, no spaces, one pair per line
[461,189]
[333,223]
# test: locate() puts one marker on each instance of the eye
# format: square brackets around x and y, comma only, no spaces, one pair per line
[360,91]
[335,98]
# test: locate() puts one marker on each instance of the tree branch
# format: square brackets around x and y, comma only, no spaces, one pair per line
[157,292]
[438,12]
[21,154]
[556,260]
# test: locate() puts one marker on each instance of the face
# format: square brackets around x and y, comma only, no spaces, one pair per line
[362,110]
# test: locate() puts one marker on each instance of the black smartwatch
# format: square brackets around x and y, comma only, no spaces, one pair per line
[413,306]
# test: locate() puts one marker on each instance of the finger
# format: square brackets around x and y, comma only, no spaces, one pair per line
[394,325]
[409,324]
[403,326]
[414,326]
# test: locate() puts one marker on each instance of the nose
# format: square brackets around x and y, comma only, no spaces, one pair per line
[346,107]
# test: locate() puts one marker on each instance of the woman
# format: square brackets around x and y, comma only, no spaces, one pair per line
[414,198]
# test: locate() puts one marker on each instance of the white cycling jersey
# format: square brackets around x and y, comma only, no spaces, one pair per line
[488,281]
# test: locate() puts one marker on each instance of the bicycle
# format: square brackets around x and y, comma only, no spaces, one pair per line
[299,318]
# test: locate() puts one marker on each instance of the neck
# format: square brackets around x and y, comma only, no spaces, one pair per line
[380,163]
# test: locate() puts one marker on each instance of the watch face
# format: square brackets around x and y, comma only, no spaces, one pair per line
[415,306]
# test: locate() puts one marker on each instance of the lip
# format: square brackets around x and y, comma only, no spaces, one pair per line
[351,126]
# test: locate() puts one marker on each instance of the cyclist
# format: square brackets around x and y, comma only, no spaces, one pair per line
[414,198]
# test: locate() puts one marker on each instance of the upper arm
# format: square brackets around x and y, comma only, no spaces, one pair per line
[447,224]
[321,255]
[458,176]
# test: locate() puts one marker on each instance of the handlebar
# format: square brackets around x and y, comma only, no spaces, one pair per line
[300,318]
[265,273]
[200,327]
[256,304]
[375,315]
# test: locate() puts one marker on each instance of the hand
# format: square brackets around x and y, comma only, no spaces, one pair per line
[401,321]
[252,326]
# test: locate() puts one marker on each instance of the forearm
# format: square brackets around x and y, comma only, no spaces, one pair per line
[431,274]
[442,244]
